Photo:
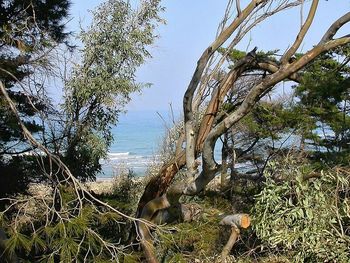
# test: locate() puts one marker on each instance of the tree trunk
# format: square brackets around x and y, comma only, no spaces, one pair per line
[224,162]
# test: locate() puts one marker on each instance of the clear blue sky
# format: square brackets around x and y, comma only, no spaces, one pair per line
[191,27]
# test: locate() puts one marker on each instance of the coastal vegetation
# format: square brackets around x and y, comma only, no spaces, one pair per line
[280,193]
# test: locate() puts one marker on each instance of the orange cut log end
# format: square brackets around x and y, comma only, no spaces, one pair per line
[245,221]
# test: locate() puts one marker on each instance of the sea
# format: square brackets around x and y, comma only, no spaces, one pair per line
[137,138]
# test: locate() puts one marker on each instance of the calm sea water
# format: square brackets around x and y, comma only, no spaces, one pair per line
[137,138]
[136,141]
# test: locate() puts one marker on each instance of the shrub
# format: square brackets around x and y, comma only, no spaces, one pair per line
[127,188]
[304,213]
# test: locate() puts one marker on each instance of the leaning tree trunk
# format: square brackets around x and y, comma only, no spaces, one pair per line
[159,184]
[204,139]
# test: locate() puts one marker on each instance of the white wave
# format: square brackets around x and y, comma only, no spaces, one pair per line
[137,163]
[118,154]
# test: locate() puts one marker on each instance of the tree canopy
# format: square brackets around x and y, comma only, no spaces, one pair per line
[28,30]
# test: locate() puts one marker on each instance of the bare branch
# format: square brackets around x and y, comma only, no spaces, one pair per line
[238,7]
[301,34]
[251,21]
[202,62]
[231,241]
[333,29]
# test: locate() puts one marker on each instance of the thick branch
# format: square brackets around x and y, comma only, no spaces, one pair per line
[333,29]
[301,34]
[235,221]
[201,64]
[272,67]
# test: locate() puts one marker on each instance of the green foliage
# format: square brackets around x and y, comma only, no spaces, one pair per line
[234,55]
[127,189]
[307,218]
[323,98]
[115,45]
[32,24]
[270,120]
[200,239]
[317,113]
[29,29]
[89,235]
[270,126]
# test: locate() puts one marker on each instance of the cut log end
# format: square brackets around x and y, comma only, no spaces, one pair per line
[245,221]
[240,220]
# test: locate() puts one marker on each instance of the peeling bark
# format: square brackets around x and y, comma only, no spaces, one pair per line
[159,184]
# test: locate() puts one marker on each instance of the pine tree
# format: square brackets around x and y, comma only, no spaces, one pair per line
[28,29]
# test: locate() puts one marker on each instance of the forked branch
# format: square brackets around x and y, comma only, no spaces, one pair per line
[196,78]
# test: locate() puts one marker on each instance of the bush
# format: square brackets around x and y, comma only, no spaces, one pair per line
[305,214]
[127,188]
